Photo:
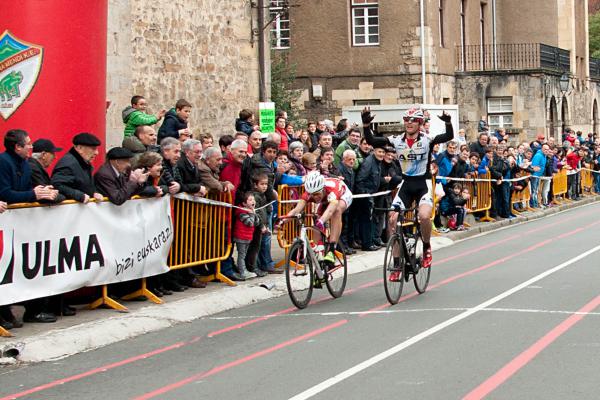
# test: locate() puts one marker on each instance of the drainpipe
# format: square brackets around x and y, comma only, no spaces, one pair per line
[494,37]
[423,88]
[262,71]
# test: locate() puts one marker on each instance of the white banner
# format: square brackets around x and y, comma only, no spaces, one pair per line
[52,250]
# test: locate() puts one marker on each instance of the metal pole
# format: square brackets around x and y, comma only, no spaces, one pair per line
[494,39]
[423,88]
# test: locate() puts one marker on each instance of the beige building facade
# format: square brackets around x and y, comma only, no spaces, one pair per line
[206,51]
[500,58]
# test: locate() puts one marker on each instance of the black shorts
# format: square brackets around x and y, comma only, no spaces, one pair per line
[416,192]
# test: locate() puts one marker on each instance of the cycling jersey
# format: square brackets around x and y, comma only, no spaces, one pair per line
[334,190]
[415,160]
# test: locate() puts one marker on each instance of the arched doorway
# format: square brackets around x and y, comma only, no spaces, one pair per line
[595,117]
[553,120]
[564,114]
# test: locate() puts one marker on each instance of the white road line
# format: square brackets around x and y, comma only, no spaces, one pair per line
[397,311]
[425,334]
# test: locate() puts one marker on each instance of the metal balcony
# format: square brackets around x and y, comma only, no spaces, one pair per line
[512,57]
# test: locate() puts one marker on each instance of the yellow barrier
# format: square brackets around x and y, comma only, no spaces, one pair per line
[559,185]
[523,196]
[587,181]
[202,234]
[481,196]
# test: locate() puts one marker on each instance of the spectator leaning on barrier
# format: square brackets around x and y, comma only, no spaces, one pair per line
[143,139]
[171,152]
[44,153]
[16,187]
[191,181]
[115,180]
[176,121]
[152,163]
[72,175]
[209,167]
[135,115]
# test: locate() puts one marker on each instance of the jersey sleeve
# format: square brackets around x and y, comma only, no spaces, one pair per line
[444,137]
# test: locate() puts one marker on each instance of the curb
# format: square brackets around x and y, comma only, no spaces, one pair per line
[60,343]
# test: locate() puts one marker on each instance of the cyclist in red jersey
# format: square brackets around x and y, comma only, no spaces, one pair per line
[333,197]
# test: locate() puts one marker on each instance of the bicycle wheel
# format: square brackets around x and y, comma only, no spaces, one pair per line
[299,274]
[393,275]
[421,275]
[338,273]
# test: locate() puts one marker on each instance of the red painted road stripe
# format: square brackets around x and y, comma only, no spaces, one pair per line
[483,267]
[239,361]
[525,357]
[98,370]
[244,324]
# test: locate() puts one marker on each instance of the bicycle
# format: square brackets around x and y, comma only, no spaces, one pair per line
[305,269]
[407,243]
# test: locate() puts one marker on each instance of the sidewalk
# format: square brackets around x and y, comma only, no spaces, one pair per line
[91,329]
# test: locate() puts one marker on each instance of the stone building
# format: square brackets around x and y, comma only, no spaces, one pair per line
[206,51]
[500,58]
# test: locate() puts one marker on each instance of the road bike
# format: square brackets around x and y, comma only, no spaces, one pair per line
[404,256]
[305,268]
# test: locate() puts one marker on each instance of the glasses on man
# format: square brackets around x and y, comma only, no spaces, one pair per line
[413,119]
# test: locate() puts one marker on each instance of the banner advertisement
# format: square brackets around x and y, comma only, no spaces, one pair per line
[51,250]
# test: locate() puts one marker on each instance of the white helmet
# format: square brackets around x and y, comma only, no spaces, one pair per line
[314,182]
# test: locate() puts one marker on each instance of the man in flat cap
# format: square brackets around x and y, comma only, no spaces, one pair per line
[115,179]
[44,152]
[72,174]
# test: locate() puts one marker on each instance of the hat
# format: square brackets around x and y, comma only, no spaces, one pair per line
[119,153]
[45,145]
[86,139]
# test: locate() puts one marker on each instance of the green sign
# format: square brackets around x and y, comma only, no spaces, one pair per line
[266,117]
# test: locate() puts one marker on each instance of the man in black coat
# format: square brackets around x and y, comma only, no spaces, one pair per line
[188,168]
[72,174]
[44,153]
[115,179]
[479,146]
[367,182]
[346,169]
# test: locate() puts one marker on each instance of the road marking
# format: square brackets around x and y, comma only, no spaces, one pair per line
[431,331]
[490,384]
[239,361]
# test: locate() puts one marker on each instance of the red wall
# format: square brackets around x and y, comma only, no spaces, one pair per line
[70,94]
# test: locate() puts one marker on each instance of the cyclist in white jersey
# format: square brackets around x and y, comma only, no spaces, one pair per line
[414,150]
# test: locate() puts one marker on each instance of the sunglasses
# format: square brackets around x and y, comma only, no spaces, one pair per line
[413,119]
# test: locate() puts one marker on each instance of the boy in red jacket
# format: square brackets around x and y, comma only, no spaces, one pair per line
[246,222]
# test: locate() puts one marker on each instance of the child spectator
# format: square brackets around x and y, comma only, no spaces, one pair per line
[246,222]
[452,207]
[245,122]
[176,121]
[260,248]
[225,144]
[135,115]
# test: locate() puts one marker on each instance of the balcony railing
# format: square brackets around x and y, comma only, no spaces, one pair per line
[512,57]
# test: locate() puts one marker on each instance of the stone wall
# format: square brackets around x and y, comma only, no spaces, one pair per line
[169,49]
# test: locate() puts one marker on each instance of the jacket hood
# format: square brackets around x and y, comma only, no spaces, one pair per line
[126,113]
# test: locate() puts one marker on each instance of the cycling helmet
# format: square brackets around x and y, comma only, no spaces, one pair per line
[314,182]
[414,112]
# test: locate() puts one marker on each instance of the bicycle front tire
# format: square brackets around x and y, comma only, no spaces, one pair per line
[393,288]
[299,274]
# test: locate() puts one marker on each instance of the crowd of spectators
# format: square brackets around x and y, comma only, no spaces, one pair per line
[251,165]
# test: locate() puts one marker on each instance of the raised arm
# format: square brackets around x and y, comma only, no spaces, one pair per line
[367,118]
[446,136]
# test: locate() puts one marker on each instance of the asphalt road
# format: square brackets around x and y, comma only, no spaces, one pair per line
[513,314]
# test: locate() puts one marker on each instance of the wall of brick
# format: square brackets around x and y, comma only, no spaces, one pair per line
[169,49]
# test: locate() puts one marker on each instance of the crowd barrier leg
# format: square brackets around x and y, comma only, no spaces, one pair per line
[486,217]
[218,276]
[4,332]
[145,292]
[107,301]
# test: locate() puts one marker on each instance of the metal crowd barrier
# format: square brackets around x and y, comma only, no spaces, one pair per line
[481,196]
[587,181]
[559,185]
[202,234]
[523,197]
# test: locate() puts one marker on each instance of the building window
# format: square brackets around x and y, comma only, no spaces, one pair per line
[365,22]
[367,102]
[280,30]
[500,112]
[441,17]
